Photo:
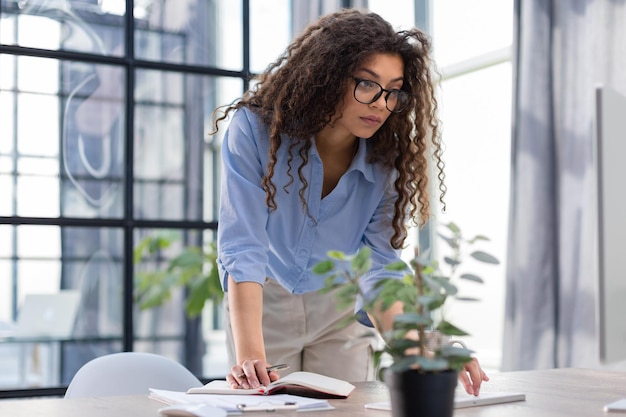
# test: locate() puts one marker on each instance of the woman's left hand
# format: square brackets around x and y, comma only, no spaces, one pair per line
[472,376]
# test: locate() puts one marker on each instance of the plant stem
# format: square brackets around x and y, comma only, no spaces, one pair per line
[419,284]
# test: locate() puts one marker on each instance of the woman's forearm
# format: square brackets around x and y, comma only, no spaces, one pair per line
[245,302]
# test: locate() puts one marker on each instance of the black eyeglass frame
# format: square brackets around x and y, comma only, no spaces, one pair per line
[377,96]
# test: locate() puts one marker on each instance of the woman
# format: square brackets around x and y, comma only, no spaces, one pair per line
[329,151]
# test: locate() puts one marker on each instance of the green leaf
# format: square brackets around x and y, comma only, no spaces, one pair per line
[154,297]
[467,299]
[445,284]
[453,228]
[397,266]
[477,238]
[399,346]
[432,302]
[450,329]
[484,257]
[430,269]
[449,351]
[458,362]
[404,363]
[472,277]
[346,295]
[432,364]
[324,267]
[411,321]
[203,287]
[420,262]
[362,262]
[377,360]
[139,249]
[452,242]
[199,292]
[144,280]
[451,261]
[191,257]
[337,255]
[161,241]
[407,294]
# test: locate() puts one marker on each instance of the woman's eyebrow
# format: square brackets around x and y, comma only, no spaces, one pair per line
[374,75]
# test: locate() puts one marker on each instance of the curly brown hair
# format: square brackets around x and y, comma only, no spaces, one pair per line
[299,94]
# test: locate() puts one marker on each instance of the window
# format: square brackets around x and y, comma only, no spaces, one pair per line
[472,43]
[105,119]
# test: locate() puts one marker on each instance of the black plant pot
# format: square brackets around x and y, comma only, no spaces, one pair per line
[421,394]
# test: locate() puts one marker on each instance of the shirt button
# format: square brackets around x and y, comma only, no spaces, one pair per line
[298,270]
[302,252]
[311,223]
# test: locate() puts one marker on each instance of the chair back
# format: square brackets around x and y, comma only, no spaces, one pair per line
[128,373]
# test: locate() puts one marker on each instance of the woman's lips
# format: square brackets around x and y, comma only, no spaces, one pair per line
[371,120]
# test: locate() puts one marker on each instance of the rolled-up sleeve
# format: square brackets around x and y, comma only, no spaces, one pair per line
[242,239]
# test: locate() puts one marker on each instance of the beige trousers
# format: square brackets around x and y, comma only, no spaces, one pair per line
[302,330]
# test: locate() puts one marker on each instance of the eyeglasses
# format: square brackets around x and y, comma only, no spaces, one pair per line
[368,91]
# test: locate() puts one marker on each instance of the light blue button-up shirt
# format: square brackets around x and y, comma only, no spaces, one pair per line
[285,244]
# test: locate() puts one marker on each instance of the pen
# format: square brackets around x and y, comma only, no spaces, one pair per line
[269,369]
[278,367]
[268,407]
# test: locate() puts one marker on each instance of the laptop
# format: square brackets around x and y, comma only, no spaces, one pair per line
[464,400]
[48,315]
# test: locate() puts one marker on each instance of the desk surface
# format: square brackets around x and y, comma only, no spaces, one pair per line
[549,393]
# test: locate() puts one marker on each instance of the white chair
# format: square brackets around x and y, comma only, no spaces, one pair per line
[129,373]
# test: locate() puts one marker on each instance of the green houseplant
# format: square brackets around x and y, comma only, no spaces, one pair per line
[422,375]
[193,269]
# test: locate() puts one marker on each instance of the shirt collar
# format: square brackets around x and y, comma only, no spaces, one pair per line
[360,161]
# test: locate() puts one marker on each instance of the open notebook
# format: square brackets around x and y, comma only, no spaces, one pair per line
[464,400]
[306,383]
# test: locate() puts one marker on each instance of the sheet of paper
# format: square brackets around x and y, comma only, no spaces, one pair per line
[232,403]
[616,406]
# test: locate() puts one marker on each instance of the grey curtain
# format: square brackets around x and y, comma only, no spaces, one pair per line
[563,49]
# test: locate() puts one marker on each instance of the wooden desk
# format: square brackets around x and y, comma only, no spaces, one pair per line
[549,393]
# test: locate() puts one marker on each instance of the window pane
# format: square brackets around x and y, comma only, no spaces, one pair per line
[228,34]
[465,29]
[92,140]
[269,31]
[6,185]
[41,138]
[7,127]
[46,260]
[172,125]
[198,32]
[72,25]
[400,13]
[37,196]
[66,121]
[159,273]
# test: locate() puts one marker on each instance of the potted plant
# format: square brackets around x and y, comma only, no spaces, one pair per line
[424,366]
[193,269]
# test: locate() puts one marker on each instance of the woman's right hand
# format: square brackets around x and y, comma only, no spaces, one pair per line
[245,302]
[252,373]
